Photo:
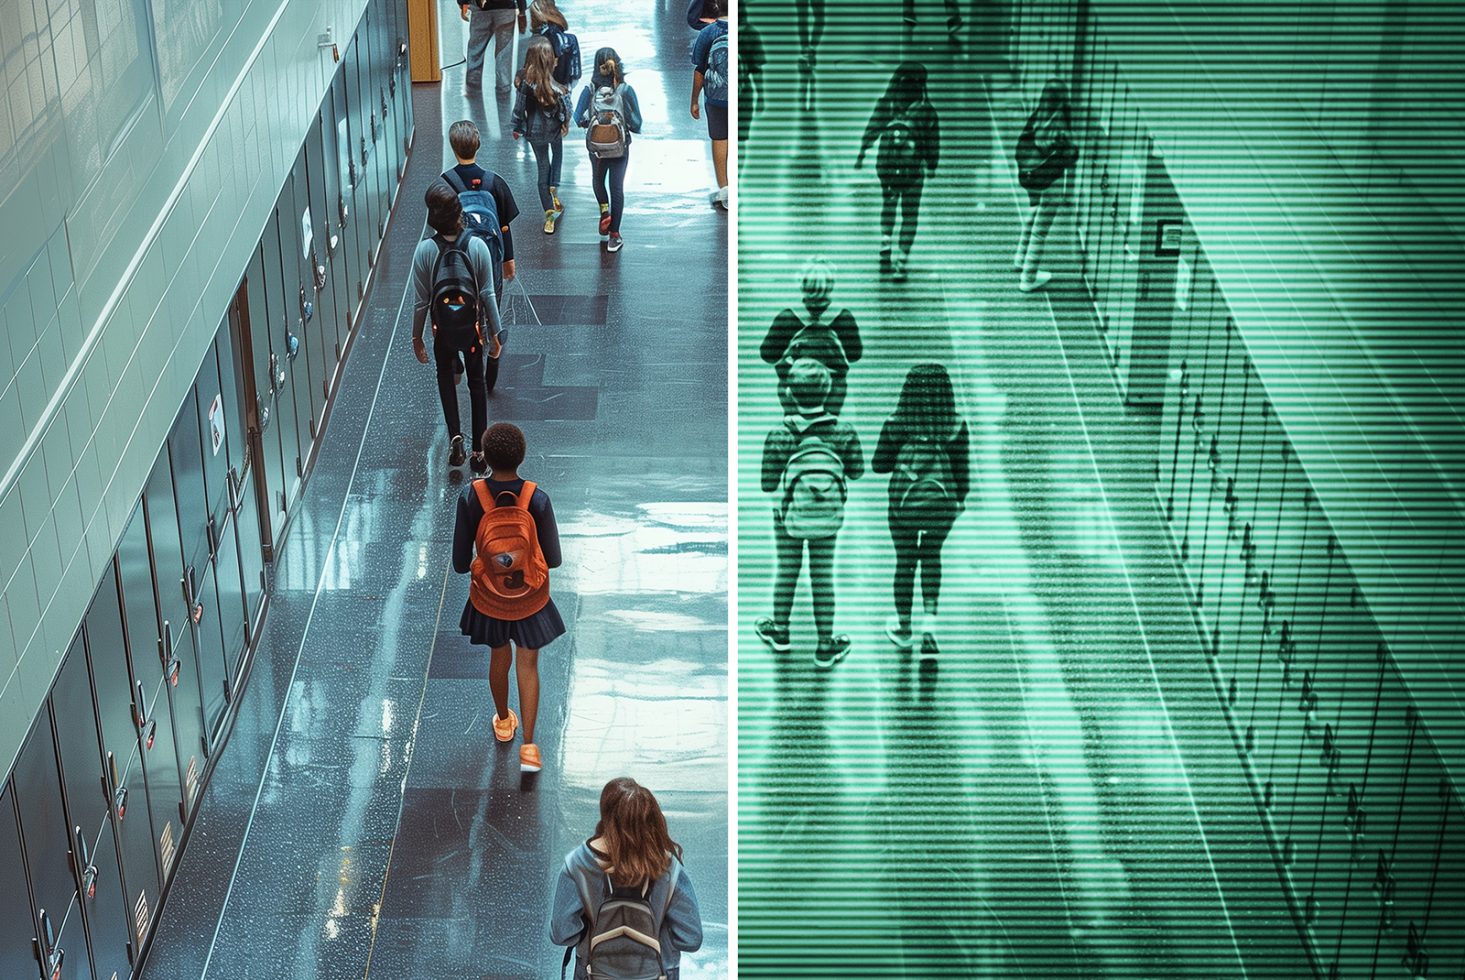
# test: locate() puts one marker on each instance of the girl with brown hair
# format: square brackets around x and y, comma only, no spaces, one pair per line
[628,874]
[542,116]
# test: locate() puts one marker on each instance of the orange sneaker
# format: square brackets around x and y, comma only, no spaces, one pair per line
[504,728]
[529,758]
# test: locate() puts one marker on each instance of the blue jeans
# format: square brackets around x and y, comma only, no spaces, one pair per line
[613,171]
[483,26]
[548,154]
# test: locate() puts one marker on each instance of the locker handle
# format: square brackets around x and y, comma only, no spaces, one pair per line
[52,956]
[88,871]
[171,663]
[147,729]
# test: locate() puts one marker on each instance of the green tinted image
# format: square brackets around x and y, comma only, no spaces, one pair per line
[1097,518]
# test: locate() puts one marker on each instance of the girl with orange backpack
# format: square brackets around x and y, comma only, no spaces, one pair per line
[509,523]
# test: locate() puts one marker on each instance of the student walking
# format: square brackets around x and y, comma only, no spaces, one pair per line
[509,522]
[491,19]
[953,18]
[924,446]
[711,79]
[623,902]
[832,341]
[904,125]
[542,116]
[808,461]
[452,276]
[751,61]
[1045,150]
[609,114]
[546,21]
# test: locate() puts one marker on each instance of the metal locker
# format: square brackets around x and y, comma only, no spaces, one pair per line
[351,250]
[207,629]
[1173,437]
[213,424]
[322,284]
[56,922]
[308,367]
[1446,934]
[233,362]
[360,154]
[1194,455]
[275,416]
[1259,541]
[177,651]
[16,916]
[1211,316]
[1230,405]
[1391,743]
[291,320]
[271,326]
[93,851]
[1421,834]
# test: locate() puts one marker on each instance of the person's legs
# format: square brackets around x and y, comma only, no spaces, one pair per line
[719,161]
[541,159]
[499,659]
[480,31]
[890,198]
[618,190]
[904,582]
[504,24]
[1043,215]
[477,395]
[556,160]
[910,213]
[821,581]
[929,551]
[1027,230]
[444,359]
[526,671]
[789,552]
[599,170]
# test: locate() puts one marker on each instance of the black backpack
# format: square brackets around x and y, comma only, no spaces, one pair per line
[1038,167]
[455,313]
[899,160]
[622,936]
[566,53]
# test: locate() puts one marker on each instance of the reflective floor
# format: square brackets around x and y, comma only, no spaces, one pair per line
[362,821]
[1057,794]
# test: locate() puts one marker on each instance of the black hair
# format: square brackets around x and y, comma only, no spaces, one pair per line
[444,212]
[927,405]
[907,86]
[503,446]
[608,69]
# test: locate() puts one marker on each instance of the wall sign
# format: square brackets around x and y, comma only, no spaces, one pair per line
[216,423]
[1182,284]
[1167,236]
[305,233]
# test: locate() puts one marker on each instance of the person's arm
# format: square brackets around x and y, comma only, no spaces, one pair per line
[773,460]
[776,342]
[854,456]
[961,467]
[567,912]
[548,530]
[566,114]
[582,108]
[887,447]
[465,530]
[633,111]
[696,93]
[463,8]
[879,119]
[487,302]
[848,332]
[683,916]
[933,140]
[516,118]
[422,299]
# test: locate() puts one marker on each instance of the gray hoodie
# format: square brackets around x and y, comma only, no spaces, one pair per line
[582,885]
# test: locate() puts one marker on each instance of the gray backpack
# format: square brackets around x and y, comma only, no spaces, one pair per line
[622,936]
[605,137]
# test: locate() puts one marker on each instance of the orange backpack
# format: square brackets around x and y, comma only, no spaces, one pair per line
[510,578]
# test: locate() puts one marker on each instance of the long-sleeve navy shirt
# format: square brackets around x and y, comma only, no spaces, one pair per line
[470,513]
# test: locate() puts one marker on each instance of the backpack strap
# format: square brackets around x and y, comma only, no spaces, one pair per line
[455,180]
[527,494]
[480,487]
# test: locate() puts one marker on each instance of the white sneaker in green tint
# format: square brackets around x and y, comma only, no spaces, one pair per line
[901,638]
[831,651]
[1036,283]
[772,634]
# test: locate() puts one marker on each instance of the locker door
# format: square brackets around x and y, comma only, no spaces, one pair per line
[178,651]
[1173,442]
[403,88]
[273,415]
[321,285]
[1261,483]
[351,251]
[125,774]
[17,958]
[325,182]
[305,373]
[1193,445]
[1421,834]
[228,344]
[358,101]
[1390,745]
[1446,934]
[269,329]
[57,921]
[286,341]
[93,849]
[186,455]
[220,500]
[152,690]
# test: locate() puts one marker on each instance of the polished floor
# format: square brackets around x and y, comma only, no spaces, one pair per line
[1057,794]
[362,822]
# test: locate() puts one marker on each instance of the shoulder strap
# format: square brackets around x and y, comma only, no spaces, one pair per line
[526,494]
[480,487]
[455,180]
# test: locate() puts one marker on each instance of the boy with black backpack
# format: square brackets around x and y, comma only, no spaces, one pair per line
[488,210]
[808,461]
[452,274]
[712,79]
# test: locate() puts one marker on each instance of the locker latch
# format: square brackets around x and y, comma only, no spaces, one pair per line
[171,663]
[52,956]
[83,860]
[1383,890]
[116,795]
[1416,958]
[147,728]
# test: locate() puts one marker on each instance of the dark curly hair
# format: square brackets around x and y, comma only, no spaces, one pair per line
[444,211]
[503,446]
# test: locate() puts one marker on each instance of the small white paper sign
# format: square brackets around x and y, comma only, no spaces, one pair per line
[305,233]
[216,423]
[1182,283]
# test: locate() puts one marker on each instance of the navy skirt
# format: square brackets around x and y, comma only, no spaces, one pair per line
[532,633]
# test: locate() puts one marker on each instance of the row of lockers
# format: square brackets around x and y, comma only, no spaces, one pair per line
[1363,816]
[97,807]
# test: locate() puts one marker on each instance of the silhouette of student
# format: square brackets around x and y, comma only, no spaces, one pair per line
[905,127]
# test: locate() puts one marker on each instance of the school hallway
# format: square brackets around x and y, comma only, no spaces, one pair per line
[1051,796]
[363,822]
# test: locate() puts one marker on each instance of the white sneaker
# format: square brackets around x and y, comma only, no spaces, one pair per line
[1036,283]
[901,640]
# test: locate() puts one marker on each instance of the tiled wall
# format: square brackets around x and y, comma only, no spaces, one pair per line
[143,143]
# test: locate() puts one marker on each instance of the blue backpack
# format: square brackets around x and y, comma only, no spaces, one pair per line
[715,78]
[566,49]
[481,220]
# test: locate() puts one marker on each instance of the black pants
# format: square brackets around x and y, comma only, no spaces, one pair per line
[907,197]
[918,546]
[790,553]
[613,172]
[446,358]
